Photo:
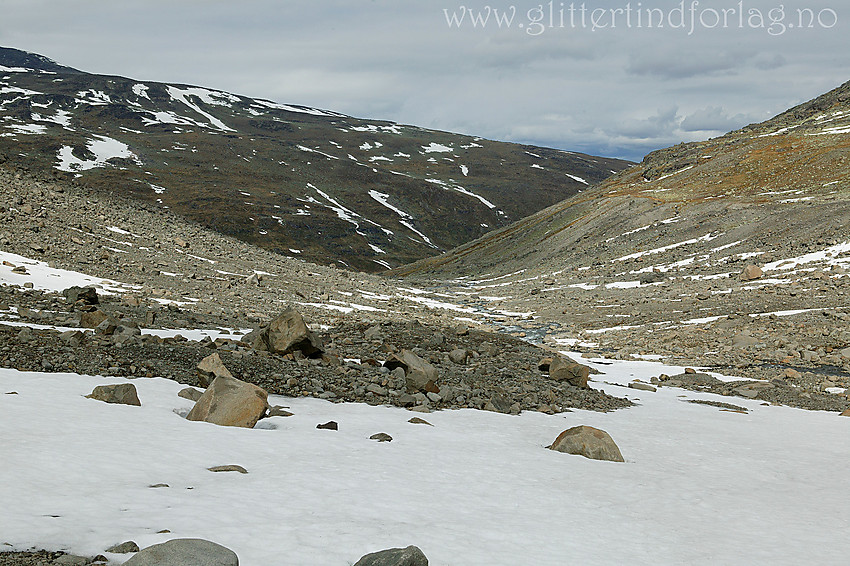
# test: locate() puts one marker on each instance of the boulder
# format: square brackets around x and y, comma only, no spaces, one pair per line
[229,468]
[87,295]
[124,548]
[461,330]
[278,411]
[654,276]
[588,442]
[565,369]
[120,393]
[230,402]
[751,273]
[106,327]
[374,334]
[185,552]
[72,560]
[410,556]
[26,334]
[210,368]
[459,355]
[743,340]
[92,319]
[419,375]
[640,386]
[72,338]
[125,331]
[381,437]
[190,393]
[288,333]
[498,403]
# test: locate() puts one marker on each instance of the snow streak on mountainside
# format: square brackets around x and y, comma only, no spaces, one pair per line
[278,175]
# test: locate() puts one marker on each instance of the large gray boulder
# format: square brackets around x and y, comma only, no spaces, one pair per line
[588,442]
[230,402]
[565,369]
[419,375]
[185,552]
[287,333]
[120,393]
[410,556]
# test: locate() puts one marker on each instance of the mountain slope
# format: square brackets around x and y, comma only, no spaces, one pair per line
[784,182]
[299,181]
[731,254]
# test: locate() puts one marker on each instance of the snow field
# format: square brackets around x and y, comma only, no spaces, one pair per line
[699,486]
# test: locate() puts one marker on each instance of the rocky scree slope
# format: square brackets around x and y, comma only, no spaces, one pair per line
[650,261]
[178,281]
[298,181]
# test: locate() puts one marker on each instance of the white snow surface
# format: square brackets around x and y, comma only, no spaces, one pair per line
[46,278]
[207,97]
[435,147]
[104,149]
[382,199]
[27,129]
[831,256]
[705,238]
[141,90]
[699,485]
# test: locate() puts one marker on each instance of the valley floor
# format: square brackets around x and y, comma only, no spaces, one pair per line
[722,467]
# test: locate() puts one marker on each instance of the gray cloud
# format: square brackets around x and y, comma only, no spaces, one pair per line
[619,92]
[713,119]
[681,65]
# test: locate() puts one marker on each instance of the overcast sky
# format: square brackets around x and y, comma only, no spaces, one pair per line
[544,79]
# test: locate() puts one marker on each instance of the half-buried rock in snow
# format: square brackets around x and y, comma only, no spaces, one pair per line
[185,552]
[588,442]
[120,393]
[230,402]
[410,556]
[419,375]
[288,333]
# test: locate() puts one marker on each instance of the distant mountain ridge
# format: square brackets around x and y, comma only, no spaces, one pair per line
[299,181]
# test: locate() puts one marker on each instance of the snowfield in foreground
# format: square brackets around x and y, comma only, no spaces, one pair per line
[699,486]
